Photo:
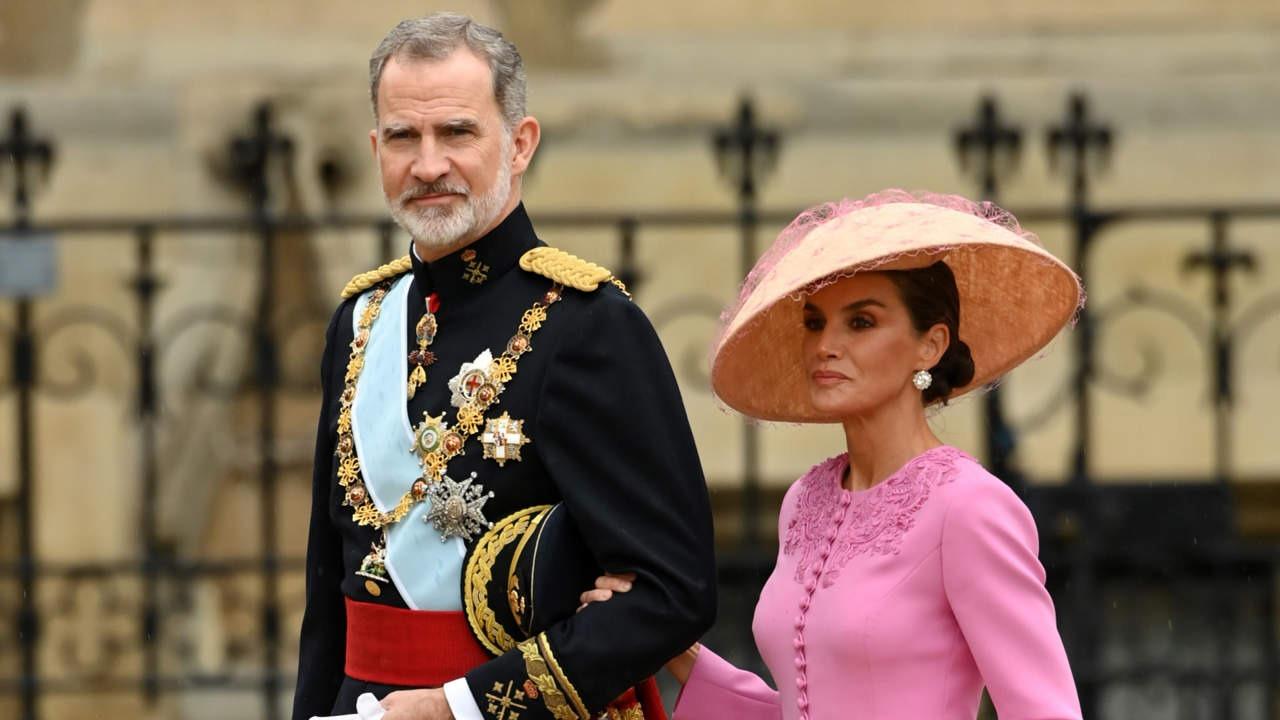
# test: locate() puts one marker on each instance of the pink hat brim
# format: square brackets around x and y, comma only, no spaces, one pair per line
[1014,298]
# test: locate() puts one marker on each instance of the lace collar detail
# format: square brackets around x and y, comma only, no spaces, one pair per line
[876,519]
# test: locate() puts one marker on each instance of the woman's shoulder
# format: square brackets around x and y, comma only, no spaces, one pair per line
[979,502]
[971,479]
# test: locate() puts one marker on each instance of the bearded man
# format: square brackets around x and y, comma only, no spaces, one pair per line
[469,388]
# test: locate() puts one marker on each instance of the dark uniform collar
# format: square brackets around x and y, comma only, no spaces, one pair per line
[471,269]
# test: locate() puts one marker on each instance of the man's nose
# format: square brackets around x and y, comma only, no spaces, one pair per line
[431,162]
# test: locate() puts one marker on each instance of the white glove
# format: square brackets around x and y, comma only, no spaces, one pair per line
[367,708]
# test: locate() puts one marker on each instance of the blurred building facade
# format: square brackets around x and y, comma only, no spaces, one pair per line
[162,139]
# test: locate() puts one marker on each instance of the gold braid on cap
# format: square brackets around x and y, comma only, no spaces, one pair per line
[366,280]
[565,268]
[479,571]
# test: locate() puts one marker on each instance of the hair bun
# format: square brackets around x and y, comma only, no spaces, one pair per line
[954,370]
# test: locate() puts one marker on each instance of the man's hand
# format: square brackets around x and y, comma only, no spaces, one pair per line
[606,586]
[427,704]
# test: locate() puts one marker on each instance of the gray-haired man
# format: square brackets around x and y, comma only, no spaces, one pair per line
[467,388]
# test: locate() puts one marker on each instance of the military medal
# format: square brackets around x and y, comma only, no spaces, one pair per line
[374,567]
[503,438]
[456,508]
[475,382]
[422,357]
[428,434]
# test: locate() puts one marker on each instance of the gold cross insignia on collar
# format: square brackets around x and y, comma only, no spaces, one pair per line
[505,702]
[476,272]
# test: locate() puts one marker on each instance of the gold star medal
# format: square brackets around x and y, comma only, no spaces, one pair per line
[428,434]
[502,439]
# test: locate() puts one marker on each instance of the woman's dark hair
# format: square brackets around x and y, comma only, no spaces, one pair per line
[931,298]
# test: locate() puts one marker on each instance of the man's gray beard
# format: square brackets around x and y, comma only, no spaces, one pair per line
[443,227]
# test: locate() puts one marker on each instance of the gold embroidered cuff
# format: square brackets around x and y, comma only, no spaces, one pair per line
[560,677]
[536,667]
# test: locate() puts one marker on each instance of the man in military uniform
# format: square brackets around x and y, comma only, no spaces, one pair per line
[483,375]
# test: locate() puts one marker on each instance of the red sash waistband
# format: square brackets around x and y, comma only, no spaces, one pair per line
[416,648]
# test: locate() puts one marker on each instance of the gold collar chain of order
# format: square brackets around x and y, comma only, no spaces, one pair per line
[469,418]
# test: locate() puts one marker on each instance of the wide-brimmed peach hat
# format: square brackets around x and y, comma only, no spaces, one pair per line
[1014,295]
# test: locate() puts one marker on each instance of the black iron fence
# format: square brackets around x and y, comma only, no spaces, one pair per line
[1161,601]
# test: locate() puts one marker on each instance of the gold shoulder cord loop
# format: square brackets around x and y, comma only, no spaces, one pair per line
[564,268]
[366,280]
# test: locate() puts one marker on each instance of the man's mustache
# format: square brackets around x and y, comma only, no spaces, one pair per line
[435,188]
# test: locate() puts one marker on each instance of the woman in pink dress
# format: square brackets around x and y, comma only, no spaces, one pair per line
[907,576]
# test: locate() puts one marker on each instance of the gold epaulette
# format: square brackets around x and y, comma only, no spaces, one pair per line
[565,268]
[366,280]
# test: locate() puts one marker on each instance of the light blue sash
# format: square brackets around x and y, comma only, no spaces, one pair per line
[426,571]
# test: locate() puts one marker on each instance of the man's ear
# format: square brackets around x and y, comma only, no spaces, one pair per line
[524,139]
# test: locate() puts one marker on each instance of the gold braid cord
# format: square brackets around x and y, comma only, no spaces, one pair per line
[479,571]
[536,668]
[366,280]
[564,268]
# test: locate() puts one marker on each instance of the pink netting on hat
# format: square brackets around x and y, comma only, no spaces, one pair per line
[805,222]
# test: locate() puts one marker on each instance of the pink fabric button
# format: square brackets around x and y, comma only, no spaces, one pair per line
[801,683]
[804,603]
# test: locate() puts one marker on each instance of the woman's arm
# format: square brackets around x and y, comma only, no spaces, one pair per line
[715,689]
[995,585]
[711,687]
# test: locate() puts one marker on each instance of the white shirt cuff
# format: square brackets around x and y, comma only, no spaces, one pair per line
[461,703]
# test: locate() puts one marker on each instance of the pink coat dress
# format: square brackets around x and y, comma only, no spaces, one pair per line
[898,603]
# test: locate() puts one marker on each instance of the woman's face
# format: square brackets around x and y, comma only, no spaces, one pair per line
[860,347]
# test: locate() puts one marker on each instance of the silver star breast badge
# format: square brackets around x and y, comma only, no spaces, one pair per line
[456,508]
[470,378]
